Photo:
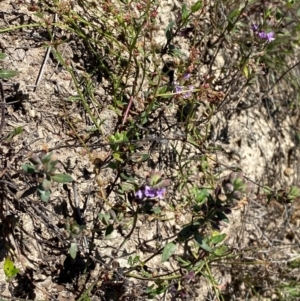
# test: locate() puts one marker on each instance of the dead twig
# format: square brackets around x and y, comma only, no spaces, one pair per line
[2,105]
[42,69]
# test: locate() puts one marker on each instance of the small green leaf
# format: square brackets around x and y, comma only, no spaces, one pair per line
[127,187]
[117,157]
[246,71]
[168,251]
[196,6]
[28,168]
[62,178]
[73,250]
[221,250]
[202,243]
[188,231]
[73,98]
[46,185]
[47,158]
[8,73]
[156,210]
[200,195]
[217,238]
[293,192]
[51,166]
[43,194]
[10,270]
[104,218]
[109,230]
[17,131]
[169,30]
[134,260]
[184,12]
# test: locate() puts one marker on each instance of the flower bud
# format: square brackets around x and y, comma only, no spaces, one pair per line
[237,195]
[228,188]
[232,177]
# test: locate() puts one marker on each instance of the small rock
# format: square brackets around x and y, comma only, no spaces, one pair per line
[288,172]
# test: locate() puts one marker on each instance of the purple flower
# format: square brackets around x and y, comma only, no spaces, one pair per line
[139,194]
[189,276]
[189,93]
[150,192]
[267,36]
[262,34]
[254,27]
[186,76]
[178,88]
[160,193]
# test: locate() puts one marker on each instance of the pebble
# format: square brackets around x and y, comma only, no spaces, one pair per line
[288,172]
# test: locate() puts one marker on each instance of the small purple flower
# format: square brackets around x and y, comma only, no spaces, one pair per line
[267,36]
[189,276]
[139,194]
[186,76]
[160,193]
[178,89]
[254,27]
[189,93]
[150,192]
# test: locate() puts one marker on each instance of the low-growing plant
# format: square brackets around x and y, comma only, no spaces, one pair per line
[157,89]
[10,270]
[43,170]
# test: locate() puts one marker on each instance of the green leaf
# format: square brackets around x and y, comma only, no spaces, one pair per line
[153,292]
[17,131]
[47,158]
[43,194]
[156,210]
[202,243]
[127,187]
[51,166]
[73,250]
[109,230]
[267,190]
[217,238]
[10,270]
[168,251]
[184,263]
[232,18]
[221,250]
[28,168]
[134,260]
[184,12]
[196,6]
[73,98]
[104,218]
[239,185]
[200,195]
[62,178]
[117,156]
[246,71]
[46,185]
[169,30]
[2,56]
[293,192]
[8,73]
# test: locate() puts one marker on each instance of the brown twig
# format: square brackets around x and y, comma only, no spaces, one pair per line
[2,105]
[127,111]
